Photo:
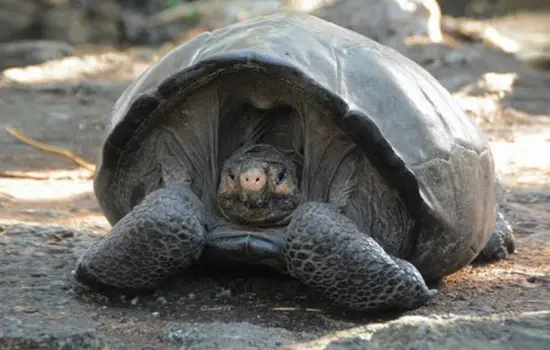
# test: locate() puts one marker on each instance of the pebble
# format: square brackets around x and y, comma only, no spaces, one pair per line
[161,300]
[178,335]
[57,250]
[224,293]
[455,57]
[531,279]
[192,296]
[538,279]
[58,116]
[49,213]
[134,301]
[156,314]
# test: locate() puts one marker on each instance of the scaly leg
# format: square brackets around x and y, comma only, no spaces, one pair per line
[159,237]
[326,251]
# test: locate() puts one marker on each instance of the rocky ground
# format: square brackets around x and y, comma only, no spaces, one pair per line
[48,216]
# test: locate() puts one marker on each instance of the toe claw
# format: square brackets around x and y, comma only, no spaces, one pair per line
[432,294]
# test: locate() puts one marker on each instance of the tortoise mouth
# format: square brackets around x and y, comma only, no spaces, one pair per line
[275,211]
[249,247]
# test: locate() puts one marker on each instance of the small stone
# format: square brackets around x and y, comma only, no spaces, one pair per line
[224,293]
[25,309]
[48,213]
[455,57]
[192,296]
[39,274]
[134,301]
[161,300]
[537,279]
[156,314]
[178,335]
[57,250]
[95,209]
[31,52]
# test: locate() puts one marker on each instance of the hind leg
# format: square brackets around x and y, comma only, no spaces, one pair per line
[159,237]
[501,244]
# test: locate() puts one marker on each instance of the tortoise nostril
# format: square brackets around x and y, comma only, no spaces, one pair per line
[247,179]
[253,179]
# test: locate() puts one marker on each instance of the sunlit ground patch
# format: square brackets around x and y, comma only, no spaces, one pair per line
[54,189]
[59,197]
[524,161]
[116,66]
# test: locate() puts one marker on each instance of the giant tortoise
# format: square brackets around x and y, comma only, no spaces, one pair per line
[290,142]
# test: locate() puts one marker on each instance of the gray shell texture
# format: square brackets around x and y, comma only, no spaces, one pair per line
[390,105]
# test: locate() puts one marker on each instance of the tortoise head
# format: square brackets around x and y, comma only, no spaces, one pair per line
[259,185]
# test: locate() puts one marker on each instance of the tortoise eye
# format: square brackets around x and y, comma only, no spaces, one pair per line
[231,177]
[281,176]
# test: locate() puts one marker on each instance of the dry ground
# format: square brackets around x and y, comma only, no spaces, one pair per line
[48,215]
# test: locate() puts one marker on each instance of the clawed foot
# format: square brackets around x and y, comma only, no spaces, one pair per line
[501,244]
[326,251]
[158,238]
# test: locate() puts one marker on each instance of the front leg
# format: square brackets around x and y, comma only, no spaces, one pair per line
[160,236]
[326,251]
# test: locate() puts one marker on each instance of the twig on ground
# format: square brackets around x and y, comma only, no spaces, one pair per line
[52,149]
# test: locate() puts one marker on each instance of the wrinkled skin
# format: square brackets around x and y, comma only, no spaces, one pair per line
[259,186]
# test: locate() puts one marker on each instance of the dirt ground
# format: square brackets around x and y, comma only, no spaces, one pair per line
[48,216]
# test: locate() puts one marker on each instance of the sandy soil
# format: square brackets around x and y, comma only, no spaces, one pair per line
[48,215]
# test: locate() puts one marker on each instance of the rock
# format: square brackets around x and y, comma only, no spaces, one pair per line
[37,339]
[230,336]
[217,13]
[80,26]
[484,8]
[525,35]
[510,331]
[150,22]
[30,52]
[81,21]
[387,20]
[381,20]
[16,17]
[135,27]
